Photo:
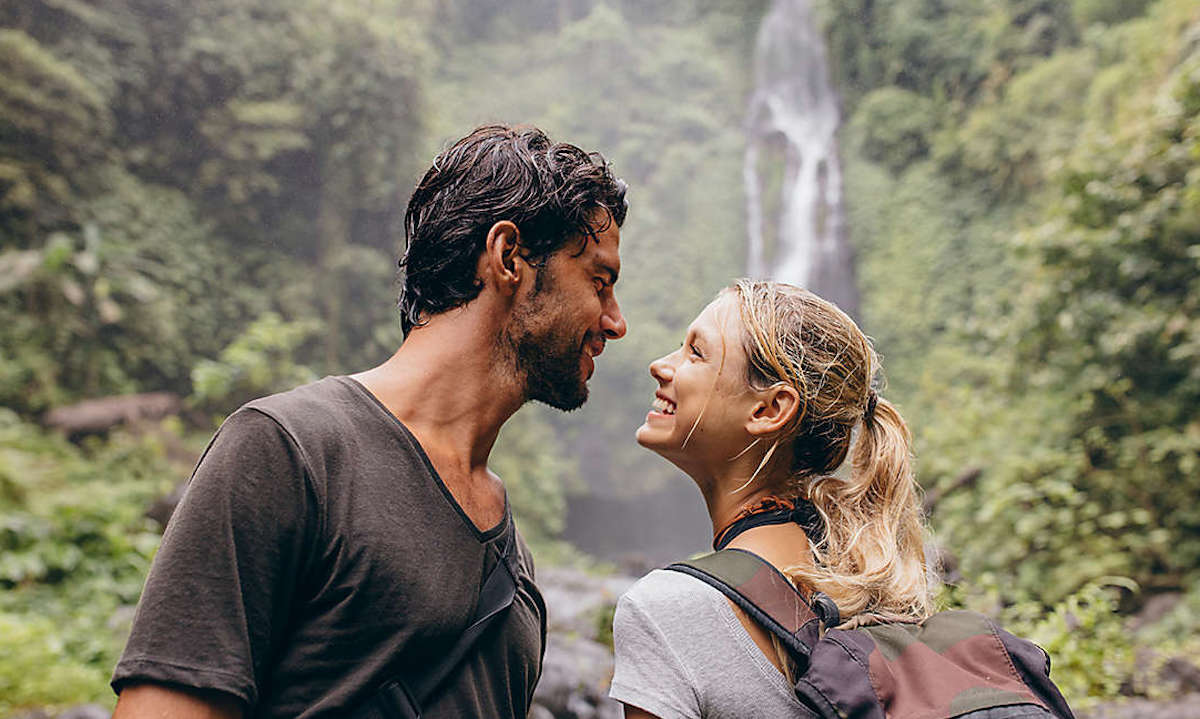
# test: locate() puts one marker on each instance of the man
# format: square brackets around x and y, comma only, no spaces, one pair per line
[336,536]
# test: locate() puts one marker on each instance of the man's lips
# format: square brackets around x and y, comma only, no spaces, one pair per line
[594,347]
[591,350]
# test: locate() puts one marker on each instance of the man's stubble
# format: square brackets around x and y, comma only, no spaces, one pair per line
[545,354]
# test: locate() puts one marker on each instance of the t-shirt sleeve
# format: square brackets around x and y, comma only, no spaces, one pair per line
[216,602]
[649,673]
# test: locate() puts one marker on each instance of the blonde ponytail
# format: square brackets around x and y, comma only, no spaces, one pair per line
[871,560]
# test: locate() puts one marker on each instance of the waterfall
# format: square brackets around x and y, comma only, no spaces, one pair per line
[791,128]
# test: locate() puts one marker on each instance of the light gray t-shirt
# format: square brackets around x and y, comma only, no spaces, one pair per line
[682,653]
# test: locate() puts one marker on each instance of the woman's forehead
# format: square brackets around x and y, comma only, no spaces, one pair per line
[718,317]
[719,326]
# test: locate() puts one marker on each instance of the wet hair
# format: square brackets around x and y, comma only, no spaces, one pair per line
[551,191]
[871,560]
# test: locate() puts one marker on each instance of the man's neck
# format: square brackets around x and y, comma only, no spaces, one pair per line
[450,386]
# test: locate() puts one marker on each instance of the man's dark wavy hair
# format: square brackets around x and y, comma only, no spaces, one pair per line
[549,190]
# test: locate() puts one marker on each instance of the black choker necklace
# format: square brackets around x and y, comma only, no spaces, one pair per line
[774,511]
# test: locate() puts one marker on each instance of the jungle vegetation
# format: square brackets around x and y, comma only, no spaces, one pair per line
[205,199]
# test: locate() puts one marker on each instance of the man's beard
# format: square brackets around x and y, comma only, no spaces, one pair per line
[553,374]
[549,361]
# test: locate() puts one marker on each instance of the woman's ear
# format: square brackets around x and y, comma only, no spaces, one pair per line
[775,407]
[501,259]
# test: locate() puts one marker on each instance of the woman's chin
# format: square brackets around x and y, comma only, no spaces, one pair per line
[663,443]
[649,437]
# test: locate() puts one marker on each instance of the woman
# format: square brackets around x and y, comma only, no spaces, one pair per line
[771,391]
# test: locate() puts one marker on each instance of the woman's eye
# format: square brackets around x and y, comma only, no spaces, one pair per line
[695,351]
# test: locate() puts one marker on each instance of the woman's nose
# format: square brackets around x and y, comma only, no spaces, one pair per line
[661,369]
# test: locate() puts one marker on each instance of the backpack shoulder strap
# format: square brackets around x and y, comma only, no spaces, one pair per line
[761,591]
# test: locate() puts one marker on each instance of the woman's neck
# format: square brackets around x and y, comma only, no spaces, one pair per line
[727,496]
[729,484]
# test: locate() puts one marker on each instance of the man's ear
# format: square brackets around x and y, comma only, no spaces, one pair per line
[774,408]
[501,259]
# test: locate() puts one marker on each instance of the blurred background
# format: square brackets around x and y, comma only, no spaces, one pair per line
[201,203]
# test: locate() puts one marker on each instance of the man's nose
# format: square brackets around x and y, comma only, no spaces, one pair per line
[612,322]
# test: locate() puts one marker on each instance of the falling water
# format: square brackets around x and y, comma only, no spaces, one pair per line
[792,127]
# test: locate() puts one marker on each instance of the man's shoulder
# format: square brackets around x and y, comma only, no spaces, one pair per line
[326,406]
[323,395]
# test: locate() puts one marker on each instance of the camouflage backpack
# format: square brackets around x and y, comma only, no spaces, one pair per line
[954,665]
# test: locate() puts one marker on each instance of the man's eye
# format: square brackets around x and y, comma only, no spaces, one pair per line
[696,351]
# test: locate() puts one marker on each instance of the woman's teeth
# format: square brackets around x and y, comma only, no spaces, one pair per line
[663,406]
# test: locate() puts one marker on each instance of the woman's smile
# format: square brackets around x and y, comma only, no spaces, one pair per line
[695,383]
[661,407]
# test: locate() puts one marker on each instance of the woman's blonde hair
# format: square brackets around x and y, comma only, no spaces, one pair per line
[871,560]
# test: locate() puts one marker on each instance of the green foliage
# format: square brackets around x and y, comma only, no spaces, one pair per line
[46,95]
[1090,646]
[53,122]
[1031,283]
[112,283]
[75,548]
[289,128]
[1113,318]
[259,362]
[61,680]
[1003,145]
[1106,12]
[118,302]
[892,127]
[946,51]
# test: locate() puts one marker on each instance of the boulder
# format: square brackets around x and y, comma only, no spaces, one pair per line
[579,663]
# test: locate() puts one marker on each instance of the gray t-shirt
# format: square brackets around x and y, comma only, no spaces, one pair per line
[316,554]
[682,653]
